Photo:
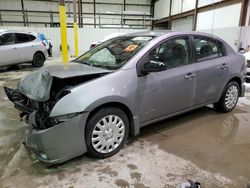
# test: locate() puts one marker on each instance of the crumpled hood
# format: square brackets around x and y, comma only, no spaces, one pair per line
[74,69]
[36,86]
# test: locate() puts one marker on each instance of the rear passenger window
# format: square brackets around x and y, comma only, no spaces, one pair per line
[21,38]
[207,48]
[32,37]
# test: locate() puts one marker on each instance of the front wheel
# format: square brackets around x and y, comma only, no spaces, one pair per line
[229,97]
[106,132]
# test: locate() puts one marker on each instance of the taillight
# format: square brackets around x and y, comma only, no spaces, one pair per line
[44,44]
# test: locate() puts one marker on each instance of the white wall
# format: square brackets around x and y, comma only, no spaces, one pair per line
[202,3]
[244,37]
[184,24]
[178,6]
[236,37]
[87,35]
[228,16]
[230,35]
[188,5]
[161,9]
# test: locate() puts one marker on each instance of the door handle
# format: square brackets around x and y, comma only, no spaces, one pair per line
[189,76]
[14,48]
[223,66]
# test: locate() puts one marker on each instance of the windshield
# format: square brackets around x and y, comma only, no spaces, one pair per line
[115,52]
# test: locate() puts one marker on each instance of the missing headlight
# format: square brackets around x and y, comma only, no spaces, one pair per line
[65,117]
[51,122]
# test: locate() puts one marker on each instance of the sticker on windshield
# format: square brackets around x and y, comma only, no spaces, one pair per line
[130,48]
[142,38]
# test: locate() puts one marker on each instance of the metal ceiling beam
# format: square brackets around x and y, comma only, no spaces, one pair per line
[243,12]
[83,13]
[94,12]
[152,12]
[195,16]
[169,15]
[24,20]
[98,3]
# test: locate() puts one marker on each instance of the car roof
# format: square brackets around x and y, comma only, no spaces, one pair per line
[158,33]
[16,31]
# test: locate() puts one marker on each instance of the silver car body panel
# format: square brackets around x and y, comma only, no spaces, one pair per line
[57,143]
[149,98]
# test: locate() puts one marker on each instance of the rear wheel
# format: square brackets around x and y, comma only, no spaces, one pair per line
[106,132]
[229,97]
[38,60]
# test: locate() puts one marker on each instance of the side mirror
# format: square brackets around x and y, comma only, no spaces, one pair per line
[153,66]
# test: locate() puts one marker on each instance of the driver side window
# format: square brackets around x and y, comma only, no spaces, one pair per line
[173,53]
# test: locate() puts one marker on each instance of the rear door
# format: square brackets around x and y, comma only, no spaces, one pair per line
[8,50]
[212,67]
[25,46]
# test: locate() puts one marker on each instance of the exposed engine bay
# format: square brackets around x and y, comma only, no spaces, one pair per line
[41,90]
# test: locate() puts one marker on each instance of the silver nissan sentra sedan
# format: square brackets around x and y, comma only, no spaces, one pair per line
[110,92]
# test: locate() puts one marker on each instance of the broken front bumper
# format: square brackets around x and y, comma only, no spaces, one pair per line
[59,143]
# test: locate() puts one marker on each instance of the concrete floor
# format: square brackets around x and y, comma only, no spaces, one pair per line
[202,145]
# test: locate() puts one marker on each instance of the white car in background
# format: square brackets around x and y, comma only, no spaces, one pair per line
[247,56]
[21,47]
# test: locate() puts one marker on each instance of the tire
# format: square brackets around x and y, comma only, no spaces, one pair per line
[229,97]
[100,135]
[38,60]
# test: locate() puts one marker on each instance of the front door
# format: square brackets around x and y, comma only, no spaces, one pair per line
[8,50]
[171,90]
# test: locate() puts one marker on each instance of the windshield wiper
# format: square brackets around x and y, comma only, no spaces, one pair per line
[82,62]
[105,66]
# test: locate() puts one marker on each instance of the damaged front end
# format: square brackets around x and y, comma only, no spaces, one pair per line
[52,139]
[42,89]
[37,93]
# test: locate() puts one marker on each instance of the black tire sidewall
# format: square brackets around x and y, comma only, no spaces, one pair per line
[94,120]
[36,63]
[222,104]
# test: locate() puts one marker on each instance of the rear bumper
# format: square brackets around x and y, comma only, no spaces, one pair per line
[59,143]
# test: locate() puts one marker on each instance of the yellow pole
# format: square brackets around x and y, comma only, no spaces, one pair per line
[63,28]
[75,29]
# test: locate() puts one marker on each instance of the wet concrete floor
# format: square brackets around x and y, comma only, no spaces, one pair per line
[202,145]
